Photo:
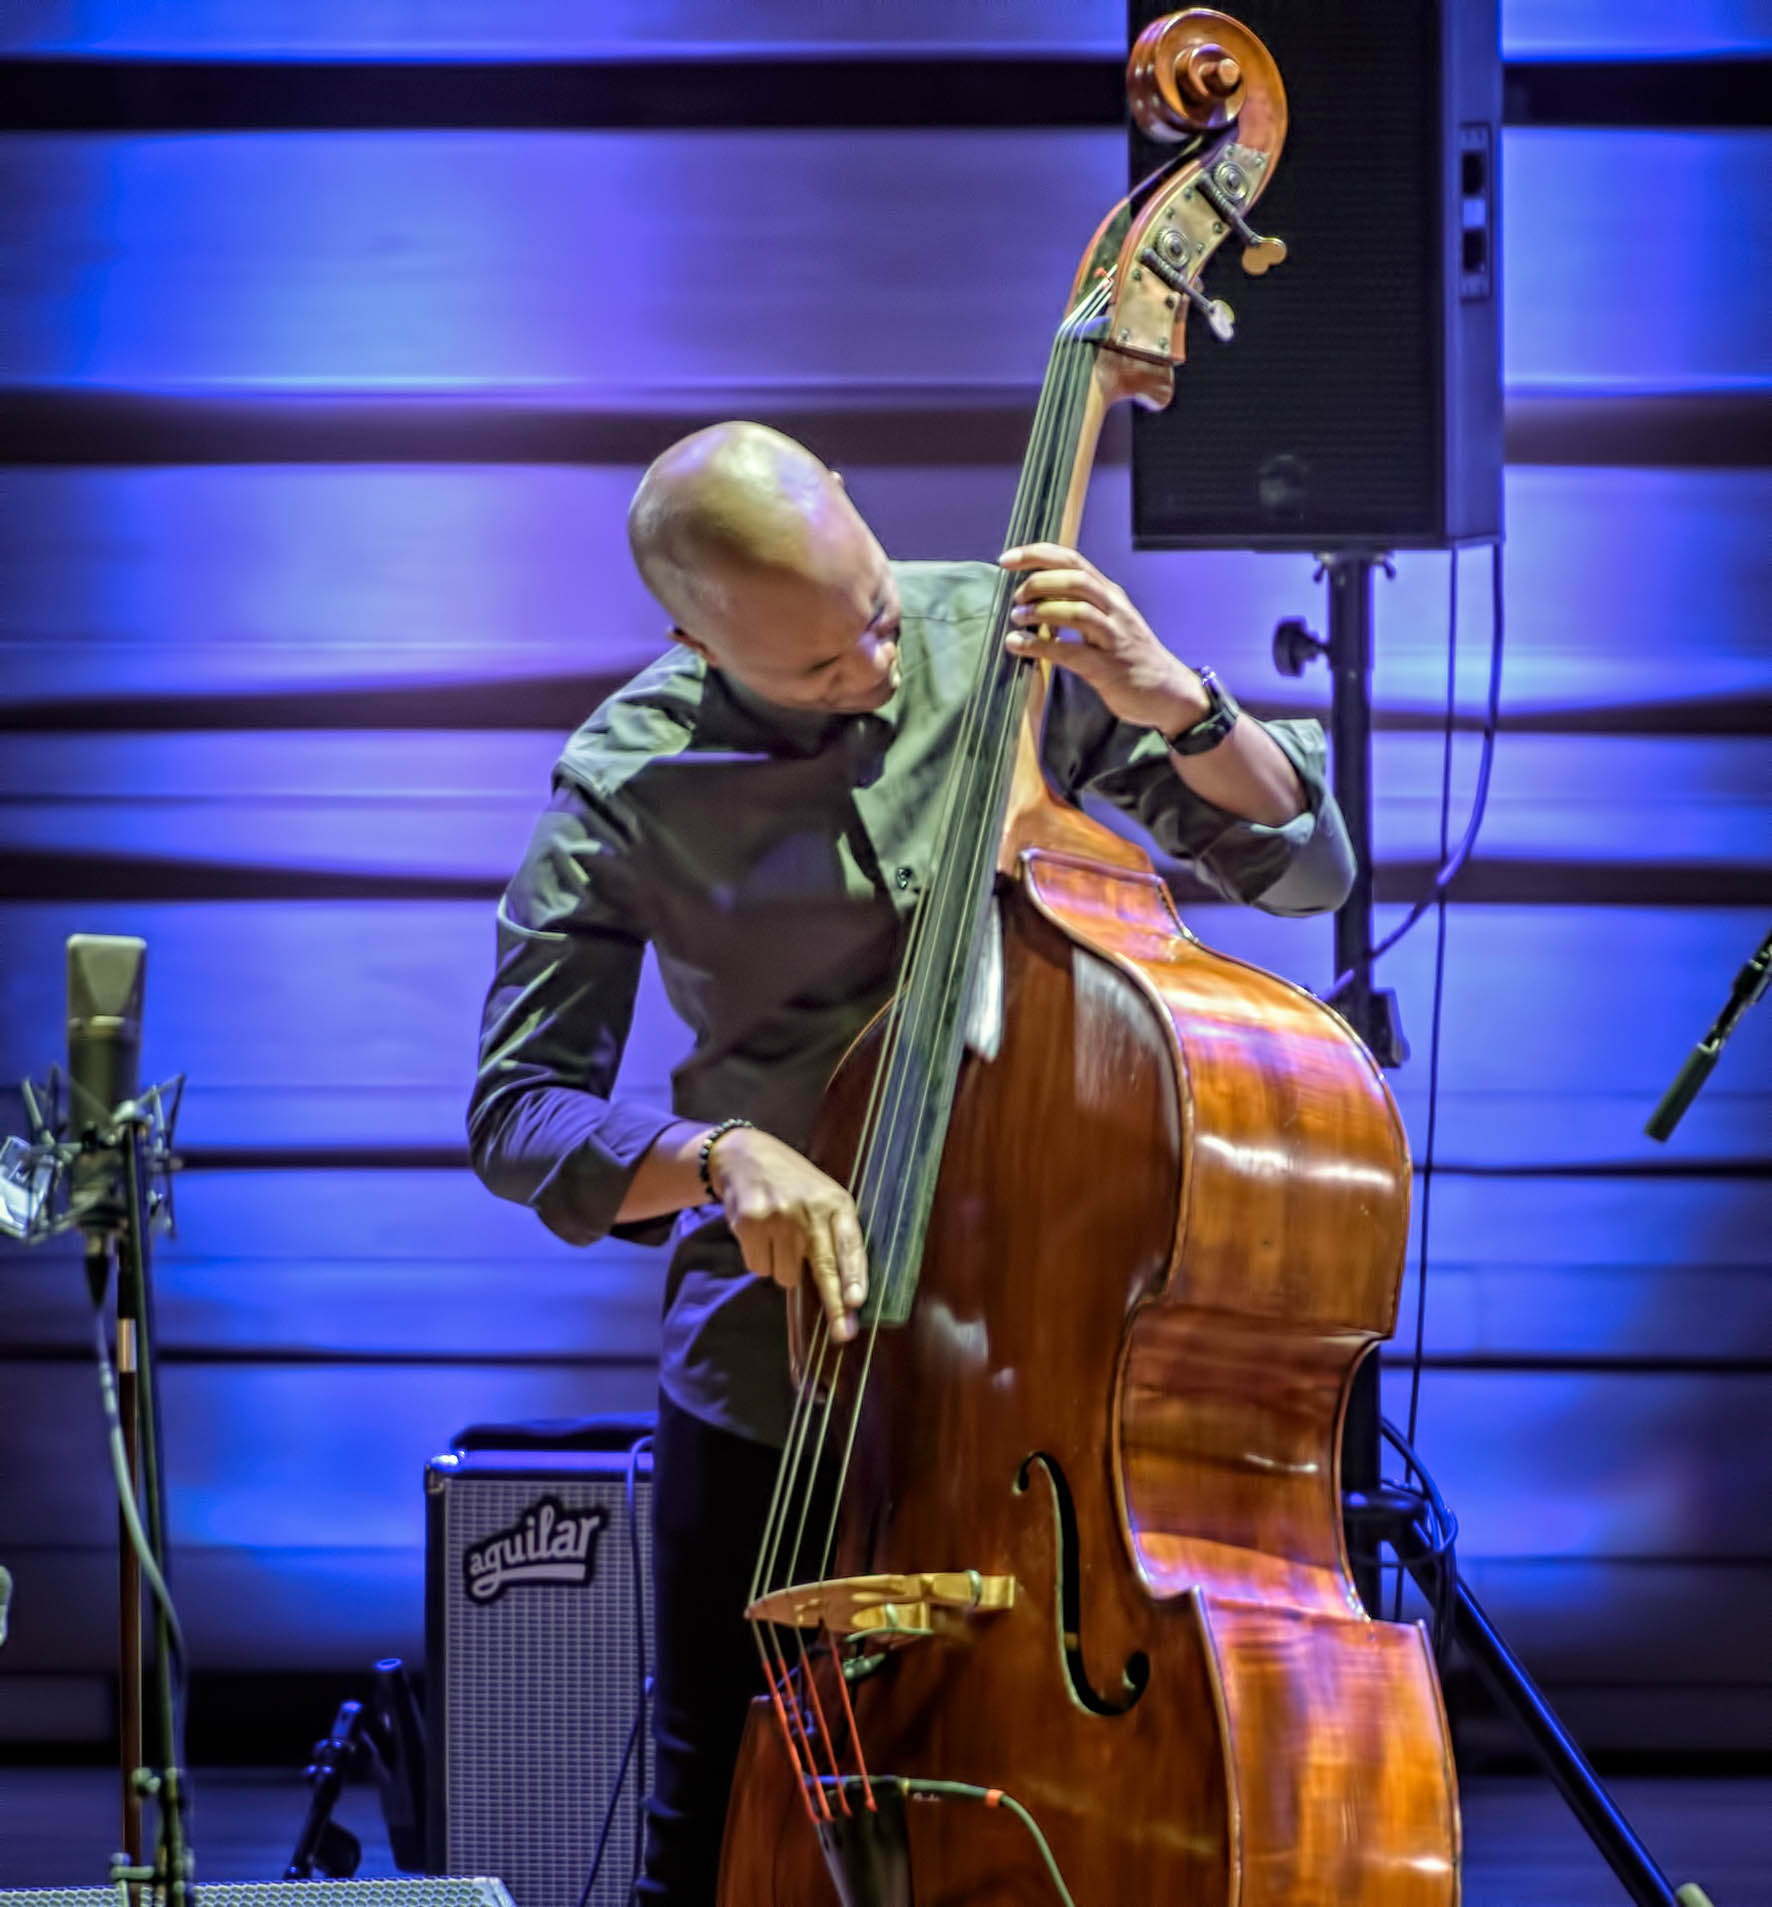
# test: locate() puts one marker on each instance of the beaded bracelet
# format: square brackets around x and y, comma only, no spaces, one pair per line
[715,1134]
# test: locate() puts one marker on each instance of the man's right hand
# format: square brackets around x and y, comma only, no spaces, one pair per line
[787,1215]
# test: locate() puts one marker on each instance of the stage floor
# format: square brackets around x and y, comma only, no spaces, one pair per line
[57,1826]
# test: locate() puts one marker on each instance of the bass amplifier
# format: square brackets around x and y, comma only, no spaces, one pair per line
[538,1616]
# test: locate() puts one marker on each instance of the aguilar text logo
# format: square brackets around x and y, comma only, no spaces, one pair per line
[551,1544]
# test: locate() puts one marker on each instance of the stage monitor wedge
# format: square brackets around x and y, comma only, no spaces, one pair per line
[1360,405]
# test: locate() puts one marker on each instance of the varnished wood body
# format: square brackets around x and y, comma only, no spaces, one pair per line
[1170,1223]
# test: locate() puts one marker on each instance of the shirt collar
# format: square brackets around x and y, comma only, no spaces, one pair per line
[805,731]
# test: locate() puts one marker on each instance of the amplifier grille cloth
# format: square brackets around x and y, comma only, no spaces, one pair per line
[542,1689]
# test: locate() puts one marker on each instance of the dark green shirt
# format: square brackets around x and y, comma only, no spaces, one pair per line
[773,858]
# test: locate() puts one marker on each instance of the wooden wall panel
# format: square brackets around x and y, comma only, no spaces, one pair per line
[423,260]
[318,1302]
[278,597]
[457,808]
[504,243]
[385,1263]
[326,1025]
[278,1217]
[1581,187]
[1591,1512]
[1551,1318]
[1579,29]
[257,1610]
[200,585]
[546,29]
[1590,1617]
[251,1611]
[334,1456]
[1602,1463]
[291,721]
[315,1305]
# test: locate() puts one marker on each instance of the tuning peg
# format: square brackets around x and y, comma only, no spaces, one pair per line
[1225,188]
[1220,319]
[1260,254]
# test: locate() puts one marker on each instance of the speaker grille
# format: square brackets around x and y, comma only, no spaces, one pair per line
[1325,424]
[541,1684]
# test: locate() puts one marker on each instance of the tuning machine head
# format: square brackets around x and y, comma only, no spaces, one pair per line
[1226,189]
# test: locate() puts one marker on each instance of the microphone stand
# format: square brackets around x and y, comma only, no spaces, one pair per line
[129,1574]
[171,1872]
[112,1168]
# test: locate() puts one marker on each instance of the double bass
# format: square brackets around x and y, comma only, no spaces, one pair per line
[1080,1625]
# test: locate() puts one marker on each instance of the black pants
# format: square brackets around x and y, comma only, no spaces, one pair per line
[710,1495]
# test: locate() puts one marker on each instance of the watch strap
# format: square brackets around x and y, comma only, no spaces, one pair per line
[1212,727]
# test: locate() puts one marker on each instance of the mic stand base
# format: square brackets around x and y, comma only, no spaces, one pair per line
[1397,1517]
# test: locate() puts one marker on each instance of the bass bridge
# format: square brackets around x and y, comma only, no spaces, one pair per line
[888,1611]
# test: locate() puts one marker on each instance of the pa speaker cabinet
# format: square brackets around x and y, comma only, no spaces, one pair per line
[538,1629]
[1360,405]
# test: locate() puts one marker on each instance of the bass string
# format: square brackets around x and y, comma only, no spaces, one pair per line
[932,968]
[931,982]
[815,1375]
[910,1034]
[958,893]
[999,689]
[1012,686]
[909,1001]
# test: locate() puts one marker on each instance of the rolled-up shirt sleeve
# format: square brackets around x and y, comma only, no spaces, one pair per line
[1303,866]
[544,1128]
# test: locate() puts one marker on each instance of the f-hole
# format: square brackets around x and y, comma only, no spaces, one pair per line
[1137,1672]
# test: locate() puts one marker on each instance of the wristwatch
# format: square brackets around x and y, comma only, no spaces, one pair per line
[1212,727]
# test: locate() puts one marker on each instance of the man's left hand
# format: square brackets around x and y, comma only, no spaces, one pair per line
[1067,612]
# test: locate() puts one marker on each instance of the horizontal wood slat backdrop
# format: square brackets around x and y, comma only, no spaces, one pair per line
[415,597]
[548,30]
[386,262]
[315,448]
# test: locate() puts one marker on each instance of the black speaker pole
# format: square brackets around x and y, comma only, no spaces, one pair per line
[1370,1011]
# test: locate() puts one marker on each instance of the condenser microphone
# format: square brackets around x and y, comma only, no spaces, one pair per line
[105,978]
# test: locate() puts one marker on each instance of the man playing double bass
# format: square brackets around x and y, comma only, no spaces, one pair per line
[761,805]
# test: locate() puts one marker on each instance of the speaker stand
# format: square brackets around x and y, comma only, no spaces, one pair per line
[1370,1011]
[1383,1512]
[1397,1516]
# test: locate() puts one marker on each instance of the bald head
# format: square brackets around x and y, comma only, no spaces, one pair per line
[766,568]
[732,499]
